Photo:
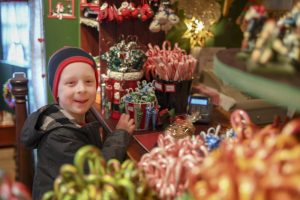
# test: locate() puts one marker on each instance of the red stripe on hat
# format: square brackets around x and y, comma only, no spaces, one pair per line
[65,63]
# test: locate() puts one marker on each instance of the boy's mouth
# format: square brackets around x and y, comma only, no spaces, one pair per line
[81,101]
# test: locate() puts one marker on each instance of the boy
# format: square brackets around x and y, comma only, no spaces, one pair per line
[58,130]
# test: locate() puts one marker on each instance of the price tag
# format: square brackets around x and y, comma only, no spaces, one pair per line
[170,88]
[158,86]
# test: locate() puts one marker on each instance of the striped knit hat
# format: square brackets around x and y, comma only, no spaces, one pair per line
[62,58]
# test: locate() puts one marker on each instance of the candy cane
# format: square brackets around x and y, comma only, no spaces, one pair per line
[170,181]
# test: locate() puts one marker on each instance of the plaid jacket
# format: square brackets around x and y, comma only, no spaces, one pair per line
[57,137]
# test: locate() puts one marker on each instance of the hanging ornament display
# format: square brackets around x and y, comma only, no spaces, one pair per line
[196,32]
[164,19]
[208,11]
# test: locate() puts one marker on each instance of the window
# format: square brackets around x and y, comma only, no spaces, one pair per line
[15,28]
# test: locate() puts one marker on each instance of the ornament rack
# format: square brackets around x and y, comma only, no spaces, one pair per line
[110,32]
[89,34]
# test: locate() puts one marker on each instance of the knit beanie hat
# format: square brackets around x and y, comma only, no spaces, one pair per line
[62,58]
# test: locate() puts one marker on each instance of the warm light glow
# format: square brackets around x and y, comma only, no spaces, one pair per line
[199,26]
[195,26]
[196,32]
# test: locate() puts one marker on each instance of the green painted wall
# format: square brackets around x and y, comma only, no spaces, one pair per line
[60,33]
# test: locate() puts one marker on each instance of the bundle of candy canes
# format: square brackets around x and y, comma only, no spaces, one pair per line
[213,137]
[168,166]
[261,163]
[143,93]
[169,64]
[141,104]
[91,177]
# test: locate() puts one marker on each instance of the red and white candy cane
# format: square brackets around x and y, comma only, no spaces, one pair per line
[175,63]
[168,166]
[242,124]
[292,128]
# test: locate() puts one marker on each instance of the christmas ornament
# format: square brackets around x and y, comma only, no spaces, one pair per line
[164,19]
[7,95]
[196,32]
[125,56]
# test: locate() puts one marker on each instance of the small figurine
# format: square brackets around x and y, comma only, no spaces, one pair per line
[164,19]
[292,42]
[254,18]
[268,45]
[290,33]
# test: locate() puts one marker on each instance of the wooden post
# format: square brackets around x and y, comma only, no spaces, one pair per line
[24,161]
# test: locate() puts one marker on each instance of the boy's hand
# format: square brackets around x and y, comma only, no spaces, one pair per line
[126,123]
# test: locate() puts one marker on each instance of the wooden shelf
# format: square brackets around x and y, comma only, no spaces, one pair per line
[283,90]
[89,22]
[89,35]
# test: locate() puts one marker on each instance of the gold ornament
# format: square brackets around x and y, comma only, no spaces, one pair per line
[196,32]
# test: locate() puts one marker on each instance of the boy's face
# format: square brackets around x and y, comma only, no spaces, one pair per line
[77,89]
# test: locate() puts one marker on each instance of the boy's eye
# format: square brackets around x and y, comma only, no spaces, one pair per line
[70,83]
[89,81]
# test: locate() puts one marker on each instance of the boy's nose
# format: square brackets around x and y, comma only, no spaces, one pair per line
[81,87]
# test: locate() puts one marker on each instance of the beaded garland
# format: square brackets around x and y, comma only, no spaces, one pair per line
[129,76]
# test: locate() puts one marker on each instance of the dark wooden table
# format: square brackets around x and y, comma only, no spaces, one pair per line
[144,141]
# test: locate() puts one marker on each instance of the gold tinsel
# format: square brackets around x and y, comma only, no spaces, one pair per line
[208,11]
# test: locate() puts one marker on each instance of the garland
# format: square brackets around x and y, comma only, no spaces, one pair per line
[7,94]
[125,56]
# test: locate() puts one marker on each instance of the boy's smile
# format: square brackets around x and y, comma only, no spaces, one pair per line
[77,89]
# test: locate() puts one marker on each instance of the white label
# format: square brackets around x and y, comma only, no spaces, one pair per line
[170,88]
[130,108]
[158,86]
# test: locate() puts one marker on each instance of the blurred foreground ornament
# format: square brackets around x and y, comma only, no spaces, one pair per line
[91,177]
[12,190]
[262,164]
[9,98]
[196,32]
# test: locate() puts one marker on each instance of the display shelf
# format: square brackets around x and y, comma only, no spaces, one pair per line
[89,35]
[283,90]
[89,22]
